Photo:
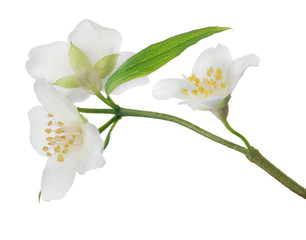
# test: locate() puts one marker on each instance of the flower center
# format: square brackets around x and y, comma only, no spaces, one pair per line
[88,79]
[61,139]
[207,86]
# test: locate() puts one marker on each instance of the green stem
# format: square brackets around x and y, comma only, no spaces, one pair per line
[100,96]
[106,125]
[147,114]
[228,127]
[112,103]
[96,110]
[252,154]
[255,157]
[109,133]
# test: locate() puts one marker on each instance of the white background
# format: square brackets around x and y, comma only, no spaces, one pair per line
[162,181]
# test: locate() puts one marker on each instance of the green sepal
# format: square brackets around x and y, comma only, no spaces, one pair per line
[106,65]
[156,55]
[39,196]
[68,82]
[221,113]
[224,102]
[78,59]
[84,119]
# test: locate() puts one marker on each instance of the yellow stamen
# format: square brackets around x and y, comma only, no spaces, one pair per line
[50,115]
[201,90]
[59,131]
[195,92]
[60,124]
[223,85]
[49,139]
[50,123]
[49,154]
[210,71]
[71,142]
[60,157]
[46,149]
[184,91]
[219,71]
[48,130]
[218,77]
[197,84]
[57,149]
[191,77]
[212,82]
[65,150]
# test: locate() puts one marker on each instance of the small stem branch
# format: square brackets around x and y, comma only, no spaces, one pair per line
[170,118]
[228,127]
[106,125]
[112,103]
[100,96]
[96,110]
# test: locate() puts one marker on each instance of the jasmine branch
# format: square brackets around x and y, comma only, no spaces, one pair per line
[252,154]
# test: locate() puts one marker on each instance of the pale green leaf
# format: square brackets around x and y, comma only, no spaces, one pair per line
[78,59]
[155,56]
[67,82]
[106,65]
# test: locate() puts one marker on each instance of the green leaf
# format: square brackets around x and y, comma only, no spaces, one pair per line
[106,65]
[78,59]
[67,82]
[155,56]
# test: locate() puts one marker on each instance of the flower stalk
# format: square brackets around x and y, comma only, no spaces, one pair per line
[251,153]
[228,127]
[106,125]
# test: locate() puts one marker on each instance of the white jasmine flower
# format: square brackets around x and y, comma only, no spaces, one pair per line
[58,132]
[90,55]
[214,77]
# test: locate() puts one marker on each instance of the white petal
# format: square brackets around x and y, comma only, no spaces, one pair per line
[56,104]
[58,176]
[49,62]
[38,122]
[218,57]
[91,152]
[123,56]
[192,104]
[73,94]
[169,88]
[94,40]
[237,69]
[209,103]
